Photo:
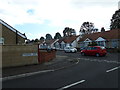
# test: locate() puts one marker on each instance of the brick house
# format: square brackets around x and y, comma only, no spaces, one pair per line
[109,39]
[10,36]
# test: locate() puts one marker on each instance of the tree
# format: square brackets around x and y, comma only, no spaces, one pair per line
[102,29]
[68,31]
[87,28]
[48,37]
[115,21]
[93,44]
[72,31]
[36,40]
[57,36]
[42,38]
[32,40]
[65,31]
[28,41]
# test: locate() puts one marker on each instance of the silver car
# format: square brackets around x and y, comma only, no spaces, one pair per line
[70,49]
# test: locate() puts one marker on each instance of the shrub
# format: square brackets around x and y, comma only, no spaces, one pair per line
[92,44]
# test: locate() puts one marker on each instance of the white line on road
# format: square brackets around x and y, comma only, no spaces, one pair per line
[24,75]
[113,69]
[77,61]
[97,60]
[65,87]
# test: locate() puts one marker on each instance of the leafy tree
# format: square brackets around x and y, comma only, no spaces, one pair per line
[87,28]
[48,37]
[28,41]
[42,38]
[93,44]
[65,31]
[32,40]
[115,21]
[102,29]
[68,32]
[36,40]
[72,31]
[57,36]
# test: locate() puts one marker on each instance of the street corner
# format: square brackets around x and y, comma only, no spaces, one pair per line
[74,60]
[68,64]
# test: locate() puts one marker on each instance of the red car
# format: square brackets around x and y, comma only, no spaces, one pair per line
[94,50]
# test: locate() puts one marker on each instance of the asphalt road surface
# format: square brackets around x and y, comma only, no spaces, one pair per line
[88,72]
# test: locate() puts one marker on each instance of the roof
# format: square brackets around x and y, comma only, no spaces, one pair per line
[50,41]
[111,34]
[68,39]
[12,29]
[41,41]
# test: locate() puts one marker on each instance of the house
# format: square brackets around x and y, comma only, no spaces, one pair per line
[67,41]
[47,43]
[10,36]
[108,39]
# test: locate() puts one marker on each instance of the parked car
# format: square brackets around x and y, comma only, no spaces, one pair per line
[70,49]
[94,50]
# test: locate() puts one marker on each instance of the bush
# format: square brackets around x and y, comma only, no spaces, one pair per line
[92,44]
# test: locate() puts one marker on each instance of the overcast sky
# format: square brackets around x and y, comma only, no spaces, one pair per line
[36,18]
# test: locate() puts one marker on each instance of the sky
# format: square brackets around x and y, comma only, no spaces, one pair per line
[37,18]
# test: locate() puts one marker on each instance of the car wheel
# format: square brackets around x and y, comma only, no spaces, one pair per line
[83,54]
[97,54]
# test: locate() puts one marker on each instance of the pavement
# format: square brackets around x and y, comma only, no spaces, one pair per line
[60,62]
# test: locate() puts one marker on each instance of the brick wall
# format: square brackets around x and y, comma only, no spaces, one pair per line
[45,56]
[18,55]
[10,36]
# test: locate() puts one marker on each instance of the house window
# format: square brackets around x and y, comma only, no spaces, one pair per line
[114,43]
[100,43]
[1,41]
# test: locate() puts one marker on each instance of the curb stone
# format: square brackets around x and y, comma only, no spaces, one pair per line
[24,75]
[34,73]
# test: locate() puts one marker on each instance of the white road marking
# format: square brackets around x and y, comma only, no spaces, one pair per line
[97,60]
[65,87]
[113,69]
[24,75]
[77,61]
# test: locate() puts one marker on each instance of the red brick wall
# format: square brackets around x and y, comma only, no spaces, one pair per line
[45,56]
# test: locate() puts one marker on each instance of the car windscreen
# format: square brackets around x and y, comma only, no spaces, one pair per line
[71,48]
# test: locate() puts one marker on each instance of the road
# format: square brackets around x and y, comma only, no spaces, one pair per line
[88,72]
